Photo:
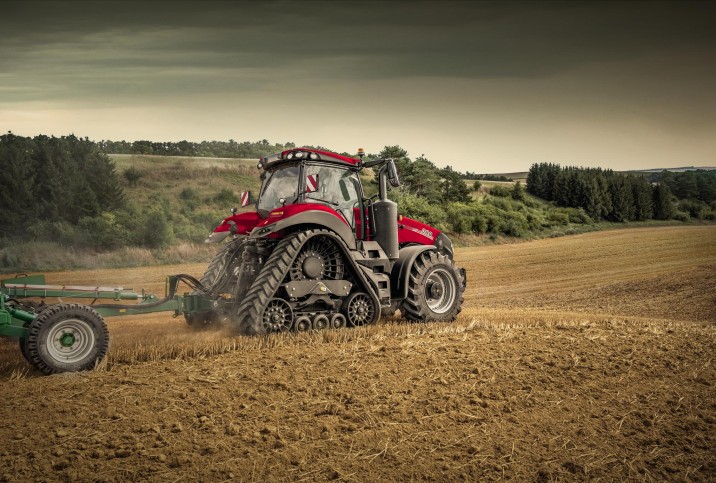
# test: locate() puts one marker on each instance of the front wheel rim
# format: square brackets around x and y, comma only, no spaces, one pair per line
[70,341]
[441,302]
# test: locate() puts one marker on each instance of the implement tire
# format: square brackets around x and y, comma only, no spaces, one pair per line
[67,338]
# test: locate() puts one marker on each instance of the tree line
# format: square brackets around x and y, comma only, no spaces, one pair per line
[211,149]
[67,190]
[48,178]
[689,185]
[602,194]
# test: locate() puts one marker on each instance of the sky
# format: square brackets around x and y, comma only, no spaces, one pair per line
[488,87]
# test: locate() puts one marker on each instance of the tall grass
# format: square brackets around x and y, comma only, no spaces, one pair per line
[50,256]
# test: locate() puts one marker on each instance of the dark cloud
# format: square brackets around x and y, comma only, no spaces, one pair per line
[474,66]
[389,39]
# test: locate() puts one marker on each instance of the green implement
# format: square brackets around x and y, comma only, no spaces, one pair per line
[70,336]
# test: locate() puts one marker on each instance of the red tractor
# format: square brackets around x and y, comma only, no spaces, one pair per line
[317,254]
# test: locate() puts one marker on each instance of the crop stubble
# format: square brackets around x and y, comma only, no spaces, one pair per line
[574,358]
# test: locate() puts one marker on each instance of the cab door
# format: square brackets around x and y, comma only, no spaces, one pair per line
[340,189]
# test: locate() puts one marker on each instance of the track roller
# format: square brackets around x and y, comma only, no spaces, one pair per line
[320,322]
[338,321]
[302,324]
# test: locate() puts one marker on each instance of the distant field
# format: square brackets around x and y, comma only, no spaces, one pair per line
[586,357]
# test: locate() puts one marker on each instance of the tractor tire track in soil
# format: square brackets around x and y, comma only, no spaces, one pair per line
[575,358]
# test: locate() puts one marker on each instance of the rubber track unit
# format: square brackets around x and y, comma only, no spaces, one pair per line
[414,307]
[248,314]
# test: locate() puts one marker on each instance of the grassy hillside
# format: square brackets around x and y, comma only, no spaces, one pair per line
[191,195]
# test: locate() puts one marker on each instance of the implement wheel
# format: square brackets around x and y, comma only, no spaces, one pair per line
[66,338]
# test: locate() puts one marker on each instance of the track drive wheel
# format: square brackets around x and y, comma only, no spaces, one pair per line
[435,289]
[67,338]
[359,309]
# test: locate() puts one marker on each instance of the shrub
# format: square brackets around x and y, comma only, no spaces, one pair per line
[681,216]
[419,208]
[157,232]
[695,209]
[102,231]
[557,216]
[58,231]
[518,192]
[189,194]
[225,197]
[499,190]
[578,215]
[132,175]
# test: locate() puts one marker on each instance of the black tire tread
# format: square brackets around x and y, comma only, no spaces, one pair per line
[220,260]
[414,307]
[268,281]
[48,316]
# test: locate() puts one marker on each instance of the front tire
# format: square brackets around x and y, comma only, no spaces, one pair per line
[67,338]
[435,289]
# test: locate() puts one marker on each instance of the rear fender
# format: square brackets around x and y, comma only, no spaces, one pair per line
[401,269]
[318,218]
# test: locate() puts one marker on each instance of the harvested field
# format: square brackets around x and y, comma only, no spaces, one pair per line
[584,357]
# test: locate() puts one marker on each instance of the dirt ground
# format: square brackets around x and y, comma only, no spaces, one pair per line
[584,357]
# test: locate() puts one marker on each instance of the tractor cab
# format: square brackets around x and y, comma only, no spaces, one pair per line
[309,181]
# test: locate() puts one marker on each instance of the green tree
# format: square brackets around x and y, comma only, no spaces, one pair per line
[622,198]
[643,203]
[518,192]
[663,206]
[453,186]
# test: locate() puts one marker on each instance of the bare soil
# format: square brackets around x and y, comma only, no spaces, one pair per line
[585,357]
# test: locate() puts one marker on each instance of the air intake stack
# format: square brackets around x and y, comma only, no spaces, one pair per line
[385,212]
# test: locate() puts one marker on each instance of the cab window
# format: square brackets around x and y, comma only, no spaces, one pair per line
[337,188]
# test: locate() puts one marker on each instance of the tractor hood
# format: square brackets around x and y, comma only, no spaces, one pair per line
[413,231]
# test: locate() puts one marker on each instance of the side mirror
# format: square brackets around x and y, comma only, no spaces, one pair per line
[245,198]
[393,174]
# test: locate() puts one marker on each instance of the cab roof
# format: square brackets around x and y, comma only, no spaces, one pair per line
[299,154]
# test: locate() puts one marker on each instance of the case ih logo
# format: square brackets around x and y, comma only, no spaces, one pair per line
[311,183]
[424,231]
